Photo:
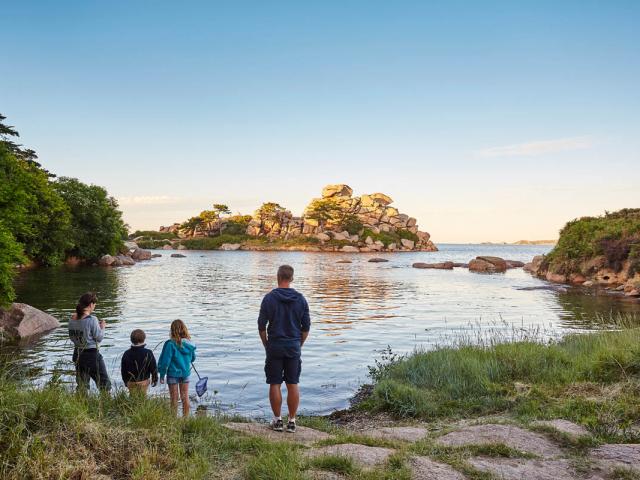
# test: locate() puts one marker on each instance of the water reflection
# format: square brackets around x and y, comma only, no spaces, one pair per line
[357,309]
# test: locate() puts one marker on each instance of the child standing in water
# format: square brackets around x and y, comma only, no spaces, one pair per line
[175,362]
[86,333]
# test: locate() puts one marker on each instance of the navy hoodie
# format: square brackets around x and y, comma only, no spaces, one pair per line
[284,314]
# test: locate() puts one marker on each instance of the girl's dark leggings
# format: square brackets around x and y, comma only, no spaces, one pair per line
[90,366]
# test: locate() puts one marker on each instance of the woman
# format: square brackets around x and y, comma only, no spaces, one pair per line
[86,332]
[175,362]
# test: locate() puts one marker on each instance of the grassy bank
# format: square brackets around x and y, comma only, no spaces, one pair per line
[52,433]
[593,379]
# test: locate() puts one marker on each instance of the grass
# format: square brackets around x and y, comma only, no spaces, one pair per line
[571,378]
[590,378]
[212,243]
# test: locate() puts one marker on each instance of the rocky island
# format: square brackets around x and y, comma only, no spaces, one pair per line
[599,252]
[336,221]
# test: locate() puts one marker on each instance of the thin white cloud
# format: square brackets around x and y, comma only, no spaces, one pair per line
[542,147]
[148,200]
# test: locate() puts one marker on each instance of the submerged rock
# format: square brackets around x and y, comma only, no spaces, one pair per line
[177,255]
[378,260]
[514,263]
[23,321]
[438,266]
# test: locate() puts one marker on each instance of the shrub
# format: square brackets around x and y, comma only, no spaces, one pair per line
[237,225]
[352,224]
[212,243]
[614,235]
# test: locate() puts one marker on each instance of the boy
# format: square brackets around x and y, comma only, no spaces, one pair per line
[138,364]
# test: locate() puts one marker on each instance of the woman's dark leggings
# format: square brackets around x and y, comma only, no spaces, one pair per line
[90,366]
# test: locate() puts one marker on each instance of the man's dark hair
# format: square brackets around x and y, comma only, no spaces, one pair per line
[138,336]
[285,273]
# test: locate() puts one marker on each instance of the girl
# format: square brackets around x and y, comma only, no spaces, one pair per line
[175,362]
[86,332]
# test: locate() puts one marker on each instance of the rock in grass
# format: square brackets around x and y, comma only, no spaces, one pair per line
[622,455]
[423,468]
[22,321]
[405,434]
[349,249]
[303,435]
[564,426]
[361,455]
[510,435]
[523,468]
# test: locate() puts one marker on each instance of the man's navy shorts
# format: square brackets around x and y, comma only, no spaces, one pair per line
[283,364]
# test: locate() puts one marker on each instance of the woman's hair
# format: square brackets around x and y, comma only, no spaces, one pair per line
[179,331]
[85,301]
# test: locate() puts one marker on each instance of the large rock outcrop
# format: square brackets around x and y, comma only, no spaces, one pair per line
[22,321]
[335,220]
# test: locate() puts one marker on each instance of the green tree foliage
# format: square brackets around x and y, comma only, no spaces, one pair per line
[323,211]
[269,213]
[237,225]
[10,255]
[615,235]
[96,223]
[42,220]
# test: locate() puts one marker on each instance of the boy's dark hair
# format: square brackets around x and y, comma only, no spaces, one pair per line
[285,273]
[138,336]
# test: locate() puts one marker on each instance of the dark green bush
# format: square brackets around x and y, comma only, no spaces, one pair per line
[212,243]
[614,235]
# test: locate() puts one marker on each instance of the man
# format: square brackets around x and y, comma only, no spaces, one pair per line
[284,327]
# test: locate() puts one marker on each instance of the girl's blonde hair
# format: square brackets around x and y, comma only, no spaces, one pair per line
[179,331]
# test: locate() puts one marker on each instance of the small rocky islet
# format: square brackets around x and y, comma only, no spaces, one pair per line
[336,221]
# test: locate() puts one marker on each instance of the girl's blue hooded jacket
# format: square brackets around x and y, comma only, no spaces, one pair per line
[175,360]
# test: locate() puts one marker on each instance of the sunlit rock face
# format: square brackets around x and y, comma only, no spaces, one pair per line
[334,220]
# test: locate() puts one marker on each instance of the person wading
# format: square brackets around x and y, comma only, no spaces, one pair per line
[283,325]
[86,332]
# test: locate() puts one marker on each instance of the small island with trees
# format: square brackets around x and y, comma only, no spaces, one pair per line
[337,221]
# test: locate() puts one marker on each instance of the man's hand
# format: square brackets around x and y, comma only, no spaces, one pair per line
[162,380]
[103,324]
[303,338]
[263,337]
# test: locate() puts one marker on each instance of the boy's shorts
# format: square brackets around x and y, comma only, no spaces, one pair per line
[283,364]
[176,380]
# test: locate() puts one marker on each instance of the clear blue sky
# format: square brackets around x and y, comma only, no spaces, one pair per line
[485,120]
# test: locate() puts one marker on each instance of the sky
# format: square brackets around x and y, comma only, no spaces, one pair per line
[487,121]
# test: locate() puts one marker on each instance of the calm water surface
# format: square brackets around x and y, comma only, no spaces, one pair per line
[357,309]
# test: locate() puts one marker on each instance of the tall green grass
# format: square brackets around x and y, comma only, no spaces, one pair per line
[528,377]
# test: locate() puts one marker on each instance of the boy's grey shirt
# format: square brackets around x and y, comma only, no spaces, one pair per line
[85,333]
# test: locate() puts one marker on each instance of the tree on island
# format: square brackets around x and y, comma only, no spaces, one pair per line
[211,218]
[269,215]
